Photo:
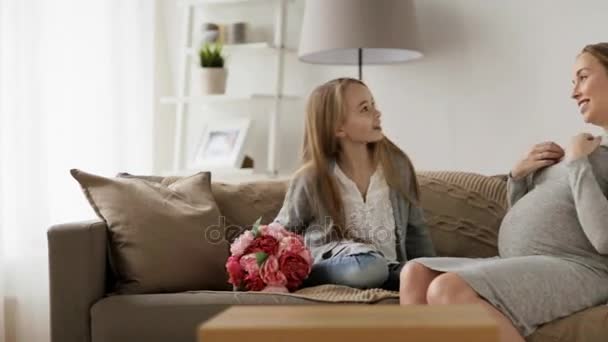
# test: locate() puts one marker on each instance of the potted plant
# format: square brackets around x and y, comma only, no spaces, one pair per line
[213,73]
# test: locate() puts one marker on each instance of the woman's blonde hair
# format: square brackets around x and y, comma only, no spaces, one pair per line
[325,111]
[599,51]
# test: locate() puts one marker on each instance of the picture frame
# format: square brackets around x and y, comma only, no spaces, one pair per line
[221,144]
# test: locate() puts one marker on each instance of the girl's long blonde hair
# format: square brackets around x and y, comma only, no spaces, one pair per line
[326,109]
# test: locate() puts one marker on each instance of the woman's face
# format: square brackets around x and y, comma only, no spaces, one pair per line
[362,118]
[591,89]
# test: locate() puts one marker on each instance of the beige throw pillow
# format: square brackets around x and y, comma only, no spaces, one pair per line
[463,211]
[162,238]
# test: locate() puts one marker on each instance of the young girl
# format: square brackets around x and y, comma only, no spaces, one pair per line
[355,197]
[553,242]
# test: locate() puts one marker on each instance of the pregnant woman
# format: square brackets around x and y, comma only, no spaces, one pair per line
[553,241]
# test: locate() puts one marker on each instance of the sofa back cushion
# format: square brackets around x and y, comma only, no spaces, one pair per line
[463,210]
[161,237]
[242,204]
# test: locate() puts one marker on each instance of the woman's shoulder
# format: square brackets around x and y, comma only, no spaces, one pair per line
[599,162]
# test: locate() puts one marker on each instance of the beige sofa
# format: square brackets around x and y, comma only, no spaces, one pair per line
[463,211]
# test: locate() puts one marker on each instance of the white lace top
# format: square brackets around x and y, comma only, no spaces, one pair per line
[373,218]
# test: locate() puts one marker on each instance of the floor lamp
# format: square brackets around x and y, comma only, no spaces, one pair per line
[357,32]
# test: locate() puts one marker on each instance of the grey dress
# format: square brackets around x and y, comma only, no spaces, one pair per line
[553,245]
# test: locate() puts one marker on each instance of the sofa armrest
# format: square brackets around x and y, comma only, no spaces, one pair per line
[77,277]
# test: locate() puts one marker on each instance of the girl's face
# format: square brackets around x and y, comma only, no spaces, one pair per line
[591,89]
[362,118]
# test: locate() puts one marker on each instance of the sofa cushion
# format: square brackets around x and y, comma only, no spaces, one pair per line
[151,317]
[463,212]
[158,233]
[242,204]
[174,317]
[144,317]
[589,325]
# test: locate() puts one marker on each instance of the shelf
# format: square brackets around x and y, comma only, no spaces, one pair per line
[213,99]
[245,46]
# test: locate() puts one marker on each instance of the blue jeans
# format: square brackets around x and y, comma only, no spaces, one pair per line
[363,271]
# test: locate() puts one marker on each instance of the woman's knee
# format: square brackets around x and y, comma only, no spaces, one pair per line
[413,272]
[414,281]
[450,288]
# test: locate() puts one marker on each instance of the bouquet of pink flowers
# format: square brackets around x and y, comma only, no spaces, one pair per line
[268,258]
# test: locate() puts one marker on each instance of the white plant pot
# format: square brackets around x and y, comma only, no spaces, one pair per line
[213,80]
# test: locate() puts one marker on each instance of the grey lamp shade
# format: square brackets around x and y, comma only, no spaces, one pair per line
[334,30]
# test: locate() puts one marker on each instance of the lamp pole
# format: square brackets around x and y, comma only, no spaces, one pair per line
[360,64]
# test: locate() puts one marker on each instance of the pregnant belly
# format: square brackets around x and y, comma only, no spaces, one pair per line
[538,225]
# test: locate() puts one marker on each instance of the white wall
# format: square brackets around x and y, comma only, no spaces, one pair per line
[495,79]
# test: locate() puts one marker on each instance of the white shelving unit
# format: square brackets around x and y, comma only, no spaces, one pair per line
[230,48]
[183,100]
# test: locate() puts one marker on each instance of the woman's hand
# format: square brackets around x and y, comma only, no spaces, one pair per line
[540,156]
[582,145]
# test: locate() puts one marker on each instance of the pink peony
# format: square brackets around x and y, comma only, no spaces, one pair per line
[249,263]
[241,243]
[287,262]
[295,245]
[271,274]
[235,271]
[253,282]
[295,268]
[275,230]
[264,243]
[305,254]
[291,244]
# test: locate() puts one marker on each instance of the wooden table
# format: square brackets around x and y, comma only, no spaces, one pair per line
[351,323]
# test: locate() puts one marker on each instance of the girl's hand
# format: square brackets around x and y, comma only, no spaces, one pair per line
[582,145]
[540,156]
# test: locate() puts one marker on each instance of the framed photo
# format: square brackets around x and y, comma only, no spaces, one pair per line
[221,144]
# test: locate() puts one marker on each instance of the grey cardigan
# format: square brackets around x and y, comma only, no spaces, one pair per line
[297,215]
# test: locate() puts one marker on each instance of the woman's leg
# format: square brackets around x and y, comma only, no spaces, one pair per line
[449,288]
[415,279]
[366,270]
